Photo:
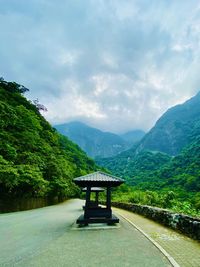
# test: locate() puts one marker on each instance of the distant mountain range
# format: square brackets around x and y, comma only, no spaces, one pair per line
[97,143]
[172,132]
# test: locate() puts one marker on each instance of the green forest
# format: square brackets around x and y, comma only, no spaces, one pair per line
[35,160]
[158,179]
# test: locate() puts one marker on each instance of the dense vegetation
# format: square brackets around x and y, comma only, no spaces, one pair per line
[182,203]
[34,159]
[130,165]
[158,179]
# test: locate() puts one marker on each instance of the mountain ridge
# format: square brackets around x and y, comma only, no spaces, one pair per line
[174,129]
[93,141]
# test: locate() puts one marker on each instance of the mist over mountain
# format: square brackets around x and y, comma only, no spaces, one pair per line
[97,143]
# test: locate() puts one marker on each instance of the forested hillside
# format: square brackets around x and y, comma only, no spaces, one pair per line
[34,159]
[183,171]
[156,171]
[160,180]
[135,167]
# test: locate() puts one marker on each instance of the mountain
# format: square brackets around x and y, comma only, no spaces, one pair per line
[94,142]
[175,129]
[133,136]
[35,160]
[146,166]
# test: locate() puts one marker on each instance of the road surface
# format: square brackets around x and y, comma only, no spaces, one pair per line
[49,237]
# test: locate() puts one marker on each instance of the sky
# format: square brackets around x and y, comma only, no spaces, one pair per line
[117,65]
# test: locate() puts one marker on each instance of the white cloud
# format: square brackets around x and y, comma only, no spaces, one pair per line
[70,104]
[181,47]
[127,10]
[117,64]
[67,57]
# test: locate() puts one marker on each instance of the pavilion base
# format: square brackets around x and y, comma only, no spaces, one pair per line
[94,206]
[85,221]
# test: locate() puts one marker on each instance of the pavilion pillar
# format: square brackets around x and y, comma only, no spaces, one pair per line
[97,198]
[87,203]
[108,201]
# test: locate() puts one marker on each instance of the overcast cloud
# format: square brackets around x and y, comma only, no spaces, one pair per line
[115,64]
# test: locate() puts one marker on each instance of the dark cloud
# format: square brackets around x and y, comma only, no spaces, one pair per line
[116,64]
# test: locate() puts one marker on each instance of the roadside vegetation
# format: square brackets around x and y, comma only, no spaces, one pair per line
[180,202]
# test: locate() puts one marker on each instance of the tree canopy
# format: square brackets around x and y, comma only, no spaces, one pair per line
[35,160]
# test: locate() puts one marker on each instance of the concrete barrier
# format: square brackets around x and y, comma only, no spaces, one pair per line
[185,224]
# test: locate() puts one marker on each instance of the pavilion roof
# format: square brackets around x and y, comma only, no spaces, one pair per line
[98,179]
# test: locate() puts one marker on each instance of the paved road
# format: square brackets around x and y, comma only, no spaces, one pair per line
[49,237]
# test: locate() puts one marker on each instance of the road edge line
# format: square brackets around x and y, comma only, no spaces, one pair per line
[165,253]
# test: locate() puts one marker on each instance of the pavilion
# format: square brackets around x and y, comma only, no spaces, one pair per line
[95,213]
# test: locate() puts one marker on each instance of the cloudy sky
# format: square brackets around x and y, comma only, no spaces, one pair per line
[114,64]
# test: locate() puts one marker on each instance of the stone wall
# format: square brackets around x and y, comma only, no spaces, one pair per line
[20,204]
[187,225]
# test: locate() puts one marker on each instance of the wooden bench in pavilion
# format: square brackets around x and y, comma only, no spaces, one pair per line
[97,214]
[95,190]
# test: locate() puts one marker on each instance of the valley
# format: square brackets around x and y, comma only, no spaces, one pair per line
[160,167]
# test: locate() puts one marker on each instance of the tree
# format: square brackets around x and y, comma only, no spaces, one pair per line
[39,106]
[13,87]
